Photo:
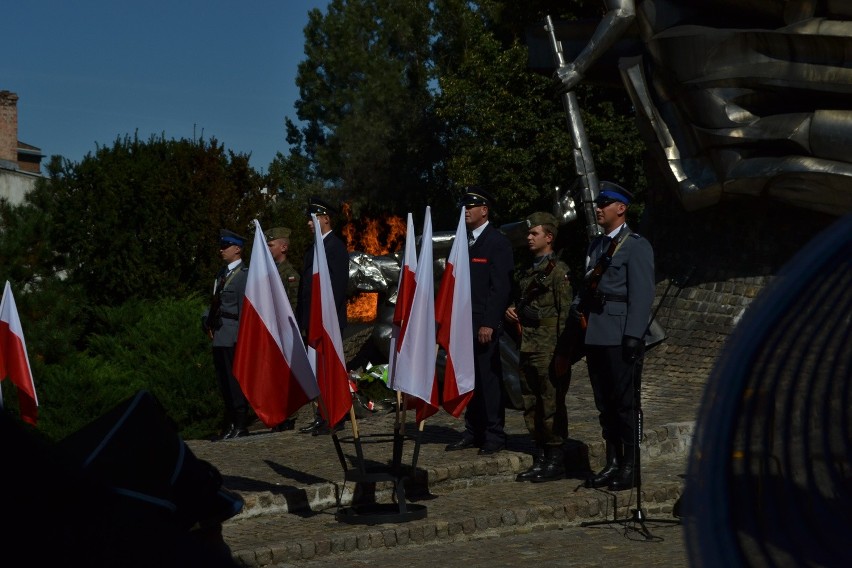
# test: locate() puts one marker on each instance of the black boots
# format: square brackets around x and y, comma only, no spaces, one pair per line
[614,459]
[554,465]
[628,475]
[538,462]
[549,464]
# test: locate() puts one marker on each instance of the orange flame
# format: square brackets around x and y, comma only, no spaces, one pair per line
[376,236]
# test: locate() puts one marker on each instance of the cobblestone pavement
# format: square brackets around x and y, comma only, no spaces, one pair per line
[477,514]
[577,547]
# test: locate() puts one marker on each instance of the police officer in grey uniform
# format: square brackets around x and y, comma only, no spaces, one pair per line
[541,314]
[617,311]
[222,323]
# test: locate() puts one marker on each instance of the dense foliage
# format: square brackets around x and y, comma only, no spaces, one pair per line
[402,104]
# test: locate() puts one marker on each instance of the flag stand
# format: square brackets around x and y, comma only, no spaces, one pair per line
[378,513]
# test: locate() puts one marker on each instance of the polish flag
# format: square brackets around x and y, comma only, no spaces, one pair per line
[270,361]
[14,362]
[416,358]
[455,325]
[324,337]
[404,296]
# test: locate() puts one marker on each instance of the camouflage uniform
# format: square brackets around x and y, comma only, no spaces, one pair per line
[290,278]
[543,318]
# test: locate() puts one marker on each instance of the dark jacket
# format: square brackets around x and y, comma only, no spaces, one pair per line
[491,273]
[338,268]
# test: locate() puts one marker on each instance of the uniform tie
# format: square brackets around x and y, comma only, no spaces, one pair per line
[470,238]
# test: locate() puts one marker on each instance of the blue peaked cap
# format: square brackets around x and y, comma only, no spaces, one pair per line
[614,191]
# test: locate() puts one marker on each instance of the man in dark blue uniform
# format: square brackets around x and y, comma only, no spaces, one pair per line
[617,308]
[491,272]
[222,323]
[338,268]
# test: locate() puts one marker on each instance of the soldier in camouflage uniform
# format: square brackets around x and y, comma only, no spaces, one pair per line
[278,241]
[541,313]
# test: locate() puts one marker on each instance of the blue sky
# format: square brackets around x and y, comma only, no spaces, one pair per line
[89,71]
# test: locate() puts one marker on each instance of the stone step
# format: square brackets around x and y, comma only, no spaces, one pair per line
[452,514]
[318,483]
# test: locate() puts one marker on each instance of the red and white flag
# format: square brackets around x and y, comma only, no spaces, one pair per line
[404,297]
[14,361]
[455,325]
[324,336]
[416,358]
[270,361]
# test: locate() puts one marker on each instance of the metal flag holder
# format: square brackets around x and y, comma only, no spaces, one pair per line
[395,472]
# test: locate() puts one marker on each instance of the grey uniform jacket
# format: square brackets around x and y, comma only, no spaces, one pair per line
[231,299]
[630,275]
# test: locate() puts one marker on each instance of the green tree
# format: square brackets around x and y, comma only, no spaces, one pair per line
[370,130]
[140,219]
[406,102]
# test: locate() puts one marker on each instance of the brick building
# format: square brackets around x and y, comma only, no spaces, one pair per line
[20,163]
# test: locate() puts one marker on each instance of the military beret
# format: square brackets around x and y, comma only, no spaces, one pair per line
[613,192]
[278,233]
[476,195]
[542,218]
[228,238]
[318,206]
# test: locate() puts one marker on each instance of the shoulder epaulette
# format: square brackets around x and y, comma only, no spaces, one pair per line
[636,235]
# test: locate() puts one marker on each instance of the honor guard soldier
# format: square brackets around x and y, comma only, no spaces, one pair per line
[338,268]
[616,301]
[491,267]
[222,323]
[540,316]
[278,241]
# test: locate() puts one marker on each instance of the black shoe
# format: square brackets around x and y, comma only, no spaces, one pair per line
[627,478]
[317,423]
[226,435]
[491,450]
[462,443]
[614,459]
[324,429]
[236,433]
[288,424]
[553,468]
[538,462]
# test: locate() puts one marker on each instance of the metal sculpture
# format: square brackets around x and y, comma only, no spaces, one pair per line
[735,97]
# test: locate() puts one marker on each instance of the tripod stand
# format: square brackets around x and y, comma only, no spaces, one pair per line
[637,516]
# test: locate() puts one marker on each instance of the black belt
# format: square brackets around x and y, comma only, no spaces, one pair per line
[226,315]
[603,298]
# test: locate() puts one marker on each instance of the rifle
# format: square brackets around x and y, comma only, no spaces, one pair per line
[532,291]
[583,161]
[593,278]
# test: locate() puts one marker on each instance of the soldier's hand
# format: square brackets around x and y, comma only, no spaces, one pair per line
[566,78]
[574,312]
[511,314]
[631,347]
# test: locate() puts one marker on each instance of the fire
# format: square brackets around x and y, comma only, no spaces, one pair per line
[375,236]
